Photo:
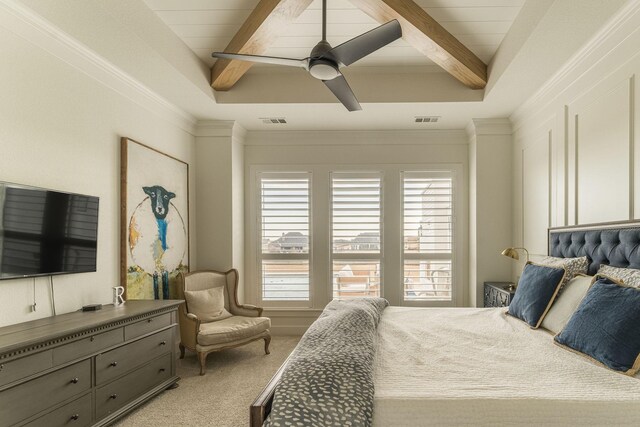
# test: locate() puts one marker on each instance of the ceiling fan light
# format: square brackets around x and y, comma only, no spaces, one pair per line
[324,71]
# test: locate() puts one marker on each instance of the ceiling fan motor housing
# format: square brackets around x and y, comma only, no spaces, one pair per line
[323,69]
[321,64]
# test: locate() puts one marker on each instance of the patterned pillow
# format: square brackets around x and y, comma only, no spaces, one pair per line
[537,288]
[573,266]
[628,276]
[607,336]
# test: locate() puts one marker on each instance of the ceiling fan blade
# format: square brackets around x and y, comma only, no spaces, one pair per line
[343,92]
[358,47]
[290,62]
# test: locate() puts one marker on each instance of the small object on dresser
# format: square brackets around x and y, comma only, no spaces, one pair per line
[498,294]
[118,295]
[92,307]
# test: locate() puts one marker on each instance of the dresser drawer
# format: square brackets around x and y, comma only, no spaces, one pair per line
[113,396]
[21,401]
[147,326]
[113,363]
[21,368]
[86,346]
[73,414]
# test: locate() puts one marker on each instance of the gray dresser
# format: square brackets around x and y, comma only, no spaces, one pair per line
[84,369]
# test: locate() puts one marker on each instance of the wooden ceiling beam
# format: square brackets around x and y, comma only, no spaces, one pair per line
[429,37]
[265,23]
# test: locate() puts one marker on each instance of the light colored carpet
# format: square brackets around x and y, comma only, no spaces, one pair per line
[221,398]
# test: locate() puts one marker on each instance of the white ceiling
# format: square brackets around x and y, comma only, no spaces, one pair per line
[208,25]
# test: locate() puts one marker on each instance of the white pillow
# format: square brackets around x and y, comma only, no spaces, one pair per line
[567,303]
[207,304]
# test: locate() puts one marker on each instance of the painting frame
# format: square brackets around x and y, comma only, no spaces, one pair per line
[136,191]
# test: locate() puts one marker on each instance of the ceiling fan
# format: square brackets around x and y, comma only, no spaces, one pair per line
[324,62]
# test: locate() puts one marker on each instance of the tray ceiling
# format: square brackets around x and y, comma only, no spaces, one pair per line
[208,25]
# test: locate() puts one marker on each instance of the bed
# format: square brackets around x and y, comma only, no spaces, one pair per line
[478,366]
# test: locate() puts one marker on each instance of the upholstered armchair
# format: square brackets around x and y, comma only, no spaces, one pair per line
[211,318]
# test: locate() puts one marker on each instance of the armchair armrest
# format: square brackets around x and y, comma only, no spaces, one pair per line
[248,310]
[195,321]
[189,328]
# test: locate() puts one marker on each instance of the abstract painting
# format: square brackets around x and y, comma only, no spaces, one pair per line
[154,244]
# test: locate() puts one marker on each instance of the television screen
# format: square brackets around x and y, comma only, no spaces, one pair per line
[44,232]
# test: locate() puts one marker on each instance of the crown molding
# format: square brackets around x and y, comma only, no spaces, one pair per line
[239,133]
[221,129]
[613,33]
[27,24]
[215,128]
[357,137]
[500,126]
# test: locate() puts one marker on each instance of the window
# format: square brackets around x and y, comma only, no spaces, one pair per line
[320,232]
[428,236]
[356,243]
[285,240]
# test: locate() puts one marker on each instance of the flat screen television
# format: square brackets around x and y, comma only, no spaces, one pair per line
[45,232]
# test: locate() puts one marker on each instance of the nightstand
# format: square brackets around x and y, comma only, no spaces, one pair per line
[498,294]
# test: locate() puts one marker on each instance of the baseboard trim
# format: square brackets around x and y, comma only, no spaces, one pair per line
[297,330]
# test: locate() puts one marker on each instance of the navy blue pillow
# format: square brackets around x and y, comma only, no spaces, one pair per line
[605,326]
[537,288]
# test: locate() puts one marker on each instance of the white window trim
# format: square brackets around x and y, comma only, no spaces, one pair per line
[457,254]
[257,229]
[368,173]
[392,257]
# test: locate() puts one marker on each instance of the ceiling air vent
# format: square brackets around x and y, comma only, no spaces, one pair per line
[426,119]
[273,120]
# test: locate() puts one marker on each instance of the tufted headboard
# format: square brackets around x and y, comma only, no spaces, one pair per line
[616,244]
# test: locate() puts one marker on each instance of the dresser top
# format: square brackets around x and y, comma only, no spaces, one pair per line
[503,286]
[49,328]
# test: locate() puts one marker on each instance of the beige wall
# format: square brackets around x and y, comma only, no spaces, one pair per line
[220,197]
[61,129]
[490,230]
[576,155]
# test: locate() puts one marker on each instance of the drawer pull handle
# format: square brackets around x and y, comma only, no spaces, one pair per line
[161,370]
[75,380]
[114,364]
[75,417]
[1,367]
[149,320]
[91,339]
[163,343]
[113,396]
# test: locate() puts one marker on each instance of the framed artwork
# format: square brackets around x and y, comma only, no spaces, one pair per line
[154,221]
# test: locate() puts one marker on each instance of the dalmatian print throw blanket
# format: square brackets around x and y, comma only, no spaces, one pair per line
[328,380]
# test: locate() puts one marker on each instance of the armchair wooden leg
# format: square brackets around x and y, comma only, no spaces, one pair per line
[267,341]
[203,362]
[181,351]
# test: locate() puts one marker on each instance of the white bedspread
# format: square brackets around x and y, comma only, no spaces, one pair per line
[474,367]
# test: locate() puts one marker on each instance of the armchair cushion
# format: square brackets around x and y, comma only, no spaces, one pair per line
[207,304]
[233,328]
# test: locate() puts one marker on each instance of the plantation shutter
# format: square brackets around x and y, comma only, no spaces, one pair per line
[428,236]
[285,239]
[356,230]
